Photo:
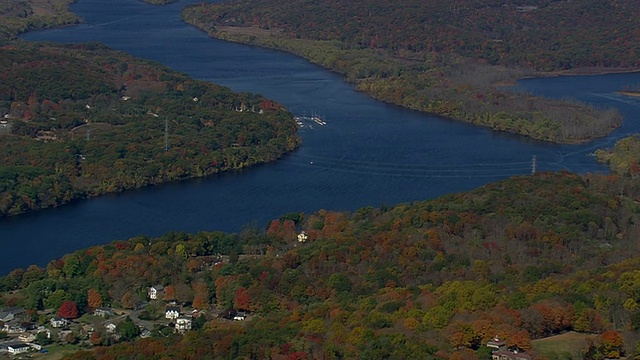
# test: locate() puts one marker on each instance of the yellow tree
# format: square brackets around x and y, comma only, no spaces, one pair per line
[94,299]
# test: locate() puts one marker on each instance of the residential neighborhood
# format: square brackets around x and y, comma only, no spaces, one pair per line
[21,335]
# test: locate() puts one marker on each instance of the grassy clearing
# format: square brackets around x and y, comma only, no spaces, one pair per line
[566,346]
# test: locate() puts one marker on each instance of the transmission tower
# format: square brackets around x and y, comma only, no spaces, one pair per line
[534,164]
[166,134]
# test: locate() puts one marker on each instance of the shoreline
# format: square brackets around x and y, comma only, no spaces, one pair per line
[254,36]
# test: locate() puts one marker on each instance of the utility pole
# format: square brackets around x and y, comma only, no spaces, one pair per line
[534,164]
[166,134]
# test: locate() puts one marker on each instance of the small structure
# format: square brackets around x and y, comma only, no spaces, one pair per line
[26,337]
[103,312]
[13,328]
[155,292]
[302,237]
[145,334]
[504,354]
[18,348]
[8,314]
[172,312]
[240,316]
[495,343]
[111,327]
[58,322]
[183,323]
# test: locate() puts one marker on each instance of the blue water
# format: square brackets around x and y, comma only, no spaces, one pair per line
[368,154]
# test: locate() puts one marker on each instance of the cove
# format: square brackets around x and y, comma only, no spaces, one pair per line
[369,153]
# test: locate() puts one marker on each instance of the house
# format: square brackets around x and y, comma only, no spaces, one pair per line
[13,328]
[495,343]
[155,292]
[228,314]
[26,337]
[504,354]
[302,237]
[104,312]
[145,334]
[58,322]
[240,316]
[18,348]
[172,312]
[183,324]
[111,327]
[8,314]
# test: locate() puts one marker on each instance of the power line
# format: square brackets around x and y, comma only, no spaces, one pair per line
[534,163]
[166,134]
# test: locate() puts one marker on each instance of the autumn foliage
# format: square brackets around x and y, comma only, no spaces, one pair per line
[68,310]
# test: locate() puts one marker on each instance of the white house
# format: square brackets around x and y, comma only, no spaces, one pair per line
[183,323]
[155,292]
[111,327]
[58,322]
[18,348]
[240,315]
[172,313]
[302,237]
[26,337]
[104,312]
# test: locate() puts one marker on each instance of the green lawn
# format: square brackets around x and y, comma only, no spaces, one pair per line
[56,351]
[566,346]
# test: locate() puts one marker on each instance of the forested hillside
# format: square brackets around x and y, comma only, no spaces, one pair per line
[523,258]
[446,58]
[83,120]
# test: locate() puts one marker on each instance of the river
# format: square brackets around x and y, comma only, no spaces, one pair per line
[368,154]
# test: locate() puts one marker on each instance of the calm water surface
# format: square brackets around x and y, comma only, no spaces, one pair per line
[369,153]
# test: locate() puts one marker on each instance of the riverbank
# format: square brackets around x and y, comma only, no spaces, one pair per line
[468,92]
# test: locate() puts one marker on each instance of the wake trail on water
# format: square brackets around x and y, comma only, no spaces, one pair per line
[373,168]
[120,20]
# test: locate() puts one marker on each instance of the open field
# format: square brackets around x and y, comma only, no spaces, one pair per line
[562,347]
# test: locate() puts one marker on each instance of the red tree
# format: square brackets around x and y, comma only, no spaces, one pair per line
[241,299]
[68,310]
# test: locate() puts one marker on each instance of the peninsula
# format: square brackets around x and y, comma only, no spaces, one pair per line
[83,120]
[449,59]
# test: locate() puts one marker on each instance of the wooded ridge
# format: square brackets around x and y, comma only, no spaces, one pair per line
[84,120]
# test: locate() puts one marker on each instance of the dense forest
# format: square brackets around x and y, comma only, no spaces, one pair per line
[83,120]
[448,58]
[523,259]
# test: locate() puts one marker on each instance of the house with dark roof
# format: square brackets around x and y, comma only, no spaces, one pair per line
[18,348]
[172,312]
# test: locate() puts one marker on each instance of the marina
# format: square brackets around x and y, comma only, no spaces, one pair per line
[300,120]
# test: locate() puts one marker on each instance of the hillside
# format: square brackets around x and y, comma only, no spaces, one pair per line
[84,120]
[523,258]
[449,59]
